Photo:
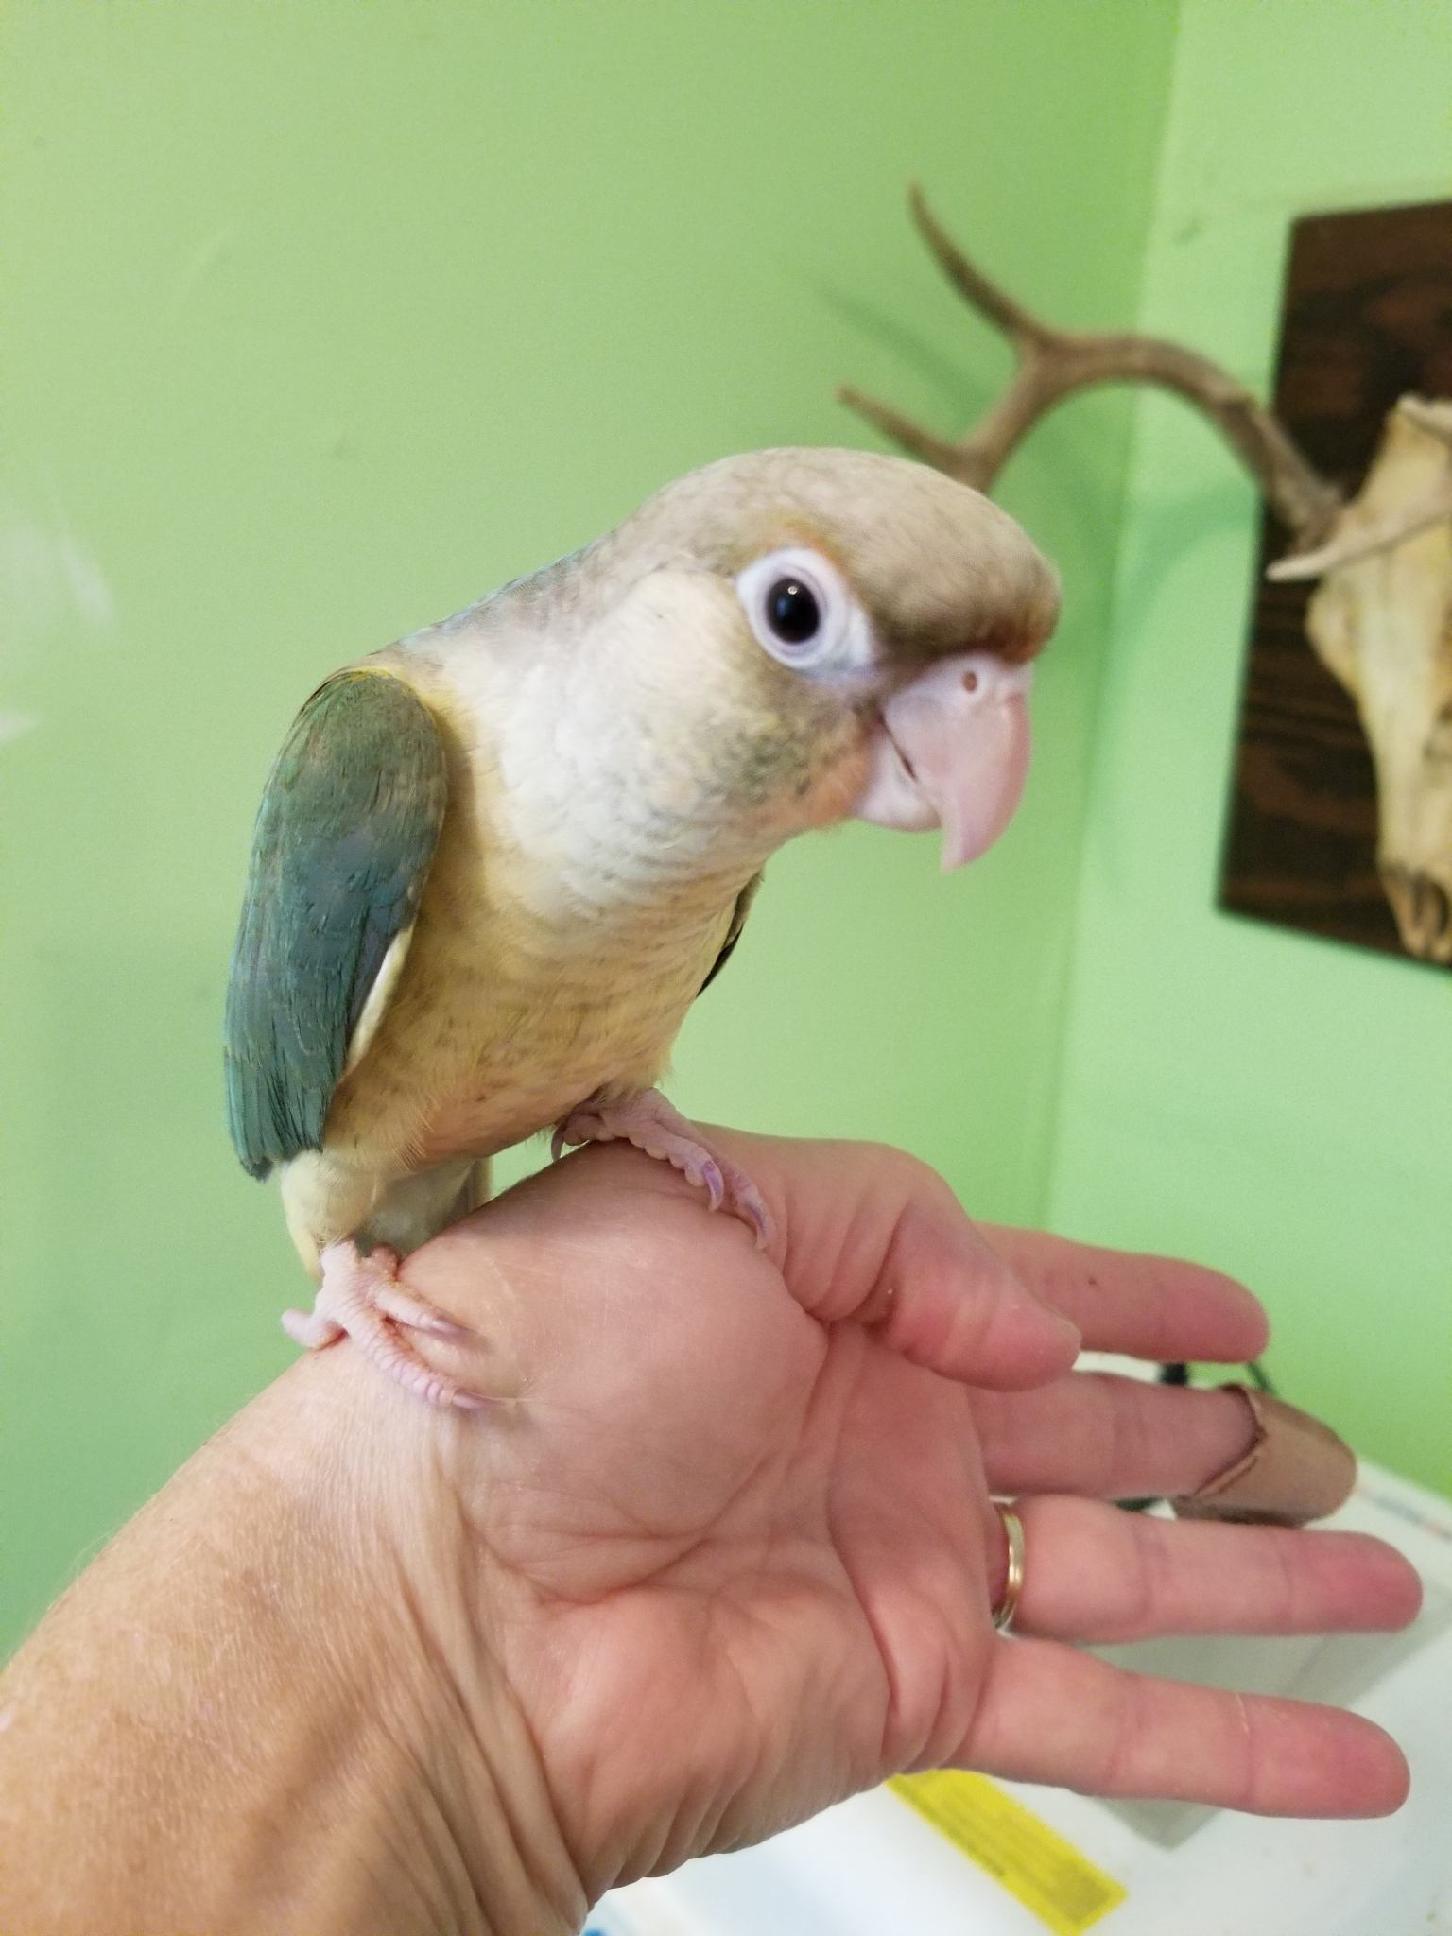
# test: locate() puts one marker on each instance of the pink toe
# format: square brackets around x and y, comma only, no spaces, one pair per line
[394,1302]
[360,1297]
[649,1122]
[312,1332]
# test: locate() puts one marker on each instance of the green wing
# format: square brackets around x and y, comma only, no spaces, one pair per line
[733,933]
[345,836]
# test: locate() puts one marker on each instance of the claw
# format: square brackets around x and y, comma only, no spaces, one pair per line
[648,1121]
[361,1298]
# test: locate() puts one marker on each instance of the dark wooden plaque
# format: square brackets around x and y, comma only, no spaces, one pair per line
[1367,316]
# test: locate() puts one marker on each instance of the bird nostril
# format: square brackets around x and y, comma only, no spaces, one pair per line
[970,682]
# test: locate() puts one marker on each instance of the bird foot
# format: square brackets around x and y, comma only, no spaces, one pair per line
[648,1122]
[361,1298]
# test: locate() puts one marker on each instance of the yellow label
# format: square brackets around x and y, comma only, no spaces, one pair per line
[1035,1864]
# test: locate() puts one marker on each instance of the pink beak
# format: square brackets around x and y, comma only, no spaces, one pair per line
[952,752]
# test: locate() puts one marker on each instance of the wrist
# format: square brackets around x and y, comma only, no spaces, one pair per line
[257,1709]
[448,1784]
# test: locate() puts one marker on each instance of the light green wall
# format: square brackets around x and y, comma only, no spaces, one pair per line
[318,321]
[1230,1090]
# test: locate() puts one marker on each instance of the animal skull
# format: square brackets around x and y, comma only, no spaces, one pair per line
[1382,623]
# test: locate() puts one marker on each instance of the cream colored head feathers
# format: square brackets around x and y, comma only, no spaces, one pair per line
[719,668]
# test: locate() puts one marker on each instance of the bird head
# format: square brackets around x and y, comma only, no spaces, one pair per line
[811,635]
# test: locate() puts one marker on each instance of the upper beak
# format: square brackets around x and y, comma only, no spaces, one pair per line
[952,751]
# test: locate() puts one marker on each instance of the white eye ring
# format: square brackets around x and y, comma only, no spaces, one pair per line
[802,612]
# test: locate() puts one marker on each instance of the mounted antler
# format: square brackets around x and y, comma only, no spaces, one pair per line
[1383,629]
[1053,364]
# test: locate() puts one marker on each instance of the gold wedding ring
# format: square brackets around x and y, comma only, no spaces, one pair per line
[1013,1585]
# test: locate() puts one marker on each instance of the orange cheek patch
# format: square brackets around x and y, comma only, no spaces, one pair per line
[834,787]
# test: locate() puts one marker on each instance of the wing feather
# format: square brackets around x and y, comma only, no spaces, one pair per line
[345,836]
[733,933]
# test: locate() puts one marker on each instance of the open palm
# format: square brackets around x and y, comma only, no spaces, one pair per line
[738,1550]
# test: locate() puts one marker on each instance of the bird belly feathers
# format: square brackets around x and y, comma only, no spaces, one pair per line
[496,1021]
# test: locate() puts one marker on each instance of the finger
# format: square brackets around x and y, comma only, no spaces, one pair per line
[874,1236]
[1146,1307]
[1050,1714]
[1232,1454]
[1107,1437]
[1093,1573]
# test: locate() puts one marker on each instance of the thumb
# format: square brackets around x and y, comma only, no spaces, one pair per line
[871,1235]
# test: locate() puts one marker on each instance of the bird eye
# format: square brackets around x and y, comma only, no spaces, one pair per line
[792,612]
[803,614]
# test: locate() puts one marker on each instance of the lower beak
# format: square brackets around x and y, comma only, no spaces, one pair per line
[952,751]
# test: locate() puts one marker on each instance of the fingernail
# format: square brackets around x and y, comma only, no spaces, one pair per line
[1067,1329]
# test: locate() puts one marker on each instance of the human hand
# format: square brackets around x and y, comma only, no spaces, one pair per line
[729,1544]
[722,1552]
